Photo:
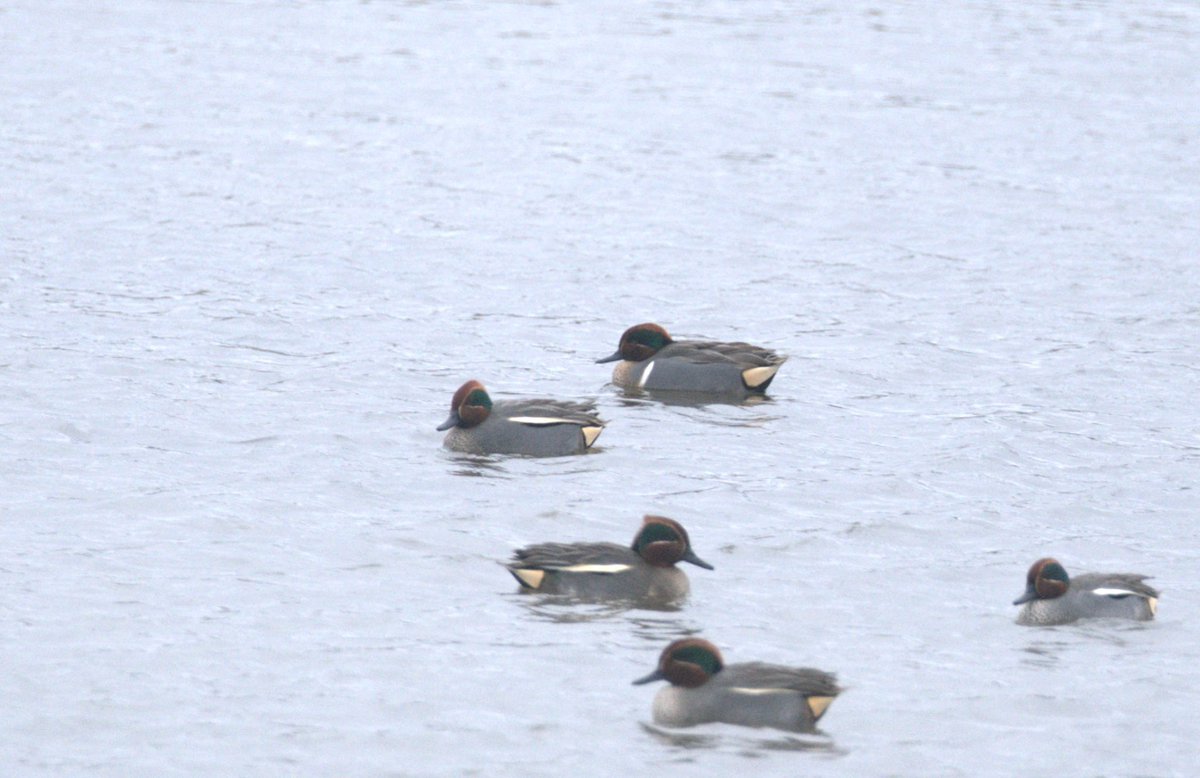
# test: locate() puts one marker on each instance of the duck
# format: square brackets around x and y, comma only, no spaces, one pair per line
[529,427]
[643,570]
[704,689]
[1052,597]
[651,360]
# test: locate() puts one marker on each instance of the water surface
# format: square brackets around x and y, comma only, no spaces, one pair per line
[251,249]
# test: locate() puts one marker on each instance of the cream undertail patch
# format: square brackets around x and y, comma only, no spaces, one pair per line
[531,578]
[757,376]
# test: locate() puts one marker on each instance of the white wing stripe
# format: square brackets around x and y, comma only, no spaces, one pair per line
[608,569]
[542,421]
[646,375]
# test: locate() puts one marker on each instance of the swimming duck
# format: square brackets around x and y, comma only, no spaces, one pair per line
[1053,597]
[643,570]
[651,360]
[534,427]
[753,694]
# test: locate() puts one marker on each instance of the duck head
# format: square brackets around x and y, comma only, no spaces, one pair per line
[688,662]
[1046,580]
[662,542]
[639,342]
[470,406]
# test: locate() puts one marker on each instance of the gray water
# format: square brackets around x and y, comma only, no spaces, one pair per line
[250,249]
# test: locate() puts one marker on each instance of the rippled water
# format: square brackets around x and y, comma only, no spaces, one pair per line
[250,250]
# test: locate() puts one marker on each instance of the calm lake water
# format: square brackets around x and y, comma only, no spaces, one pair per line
[249,250]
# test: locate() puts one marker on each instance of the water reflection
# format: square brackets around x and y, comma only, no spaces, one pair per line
[499,465]
[1111,631]
[478,466]
[816,741]
[701,407]
[1046,651]
[658,631]
[565,609]
[634,396]
[749,421]
[1043,653]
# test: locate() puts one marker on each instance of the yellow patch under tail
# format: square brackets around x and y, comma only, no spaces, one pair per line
[757,376]
[531,578]
[818,705]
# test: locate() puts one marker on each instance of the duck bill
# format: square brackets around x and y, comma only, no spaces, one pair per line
[690,556]
[654,676]
[1030,594]
[610,358]
[451,421]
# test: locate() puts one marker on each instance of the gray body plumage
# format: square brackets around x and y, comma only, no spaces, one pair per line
[636,581]
[752,694]
[1082,600]
[500,434]
[708,367]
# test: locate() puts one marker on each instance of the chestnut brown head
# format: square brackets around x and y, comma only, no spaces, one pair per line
[662,542]
[639,342]
[688,662]
[1045,580]
[469,407]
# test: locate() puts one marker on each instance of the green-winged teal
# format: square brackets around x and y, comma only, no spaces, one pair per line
[643,570]
[1053,597]
[651,360]
[535,427]
[754,694]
